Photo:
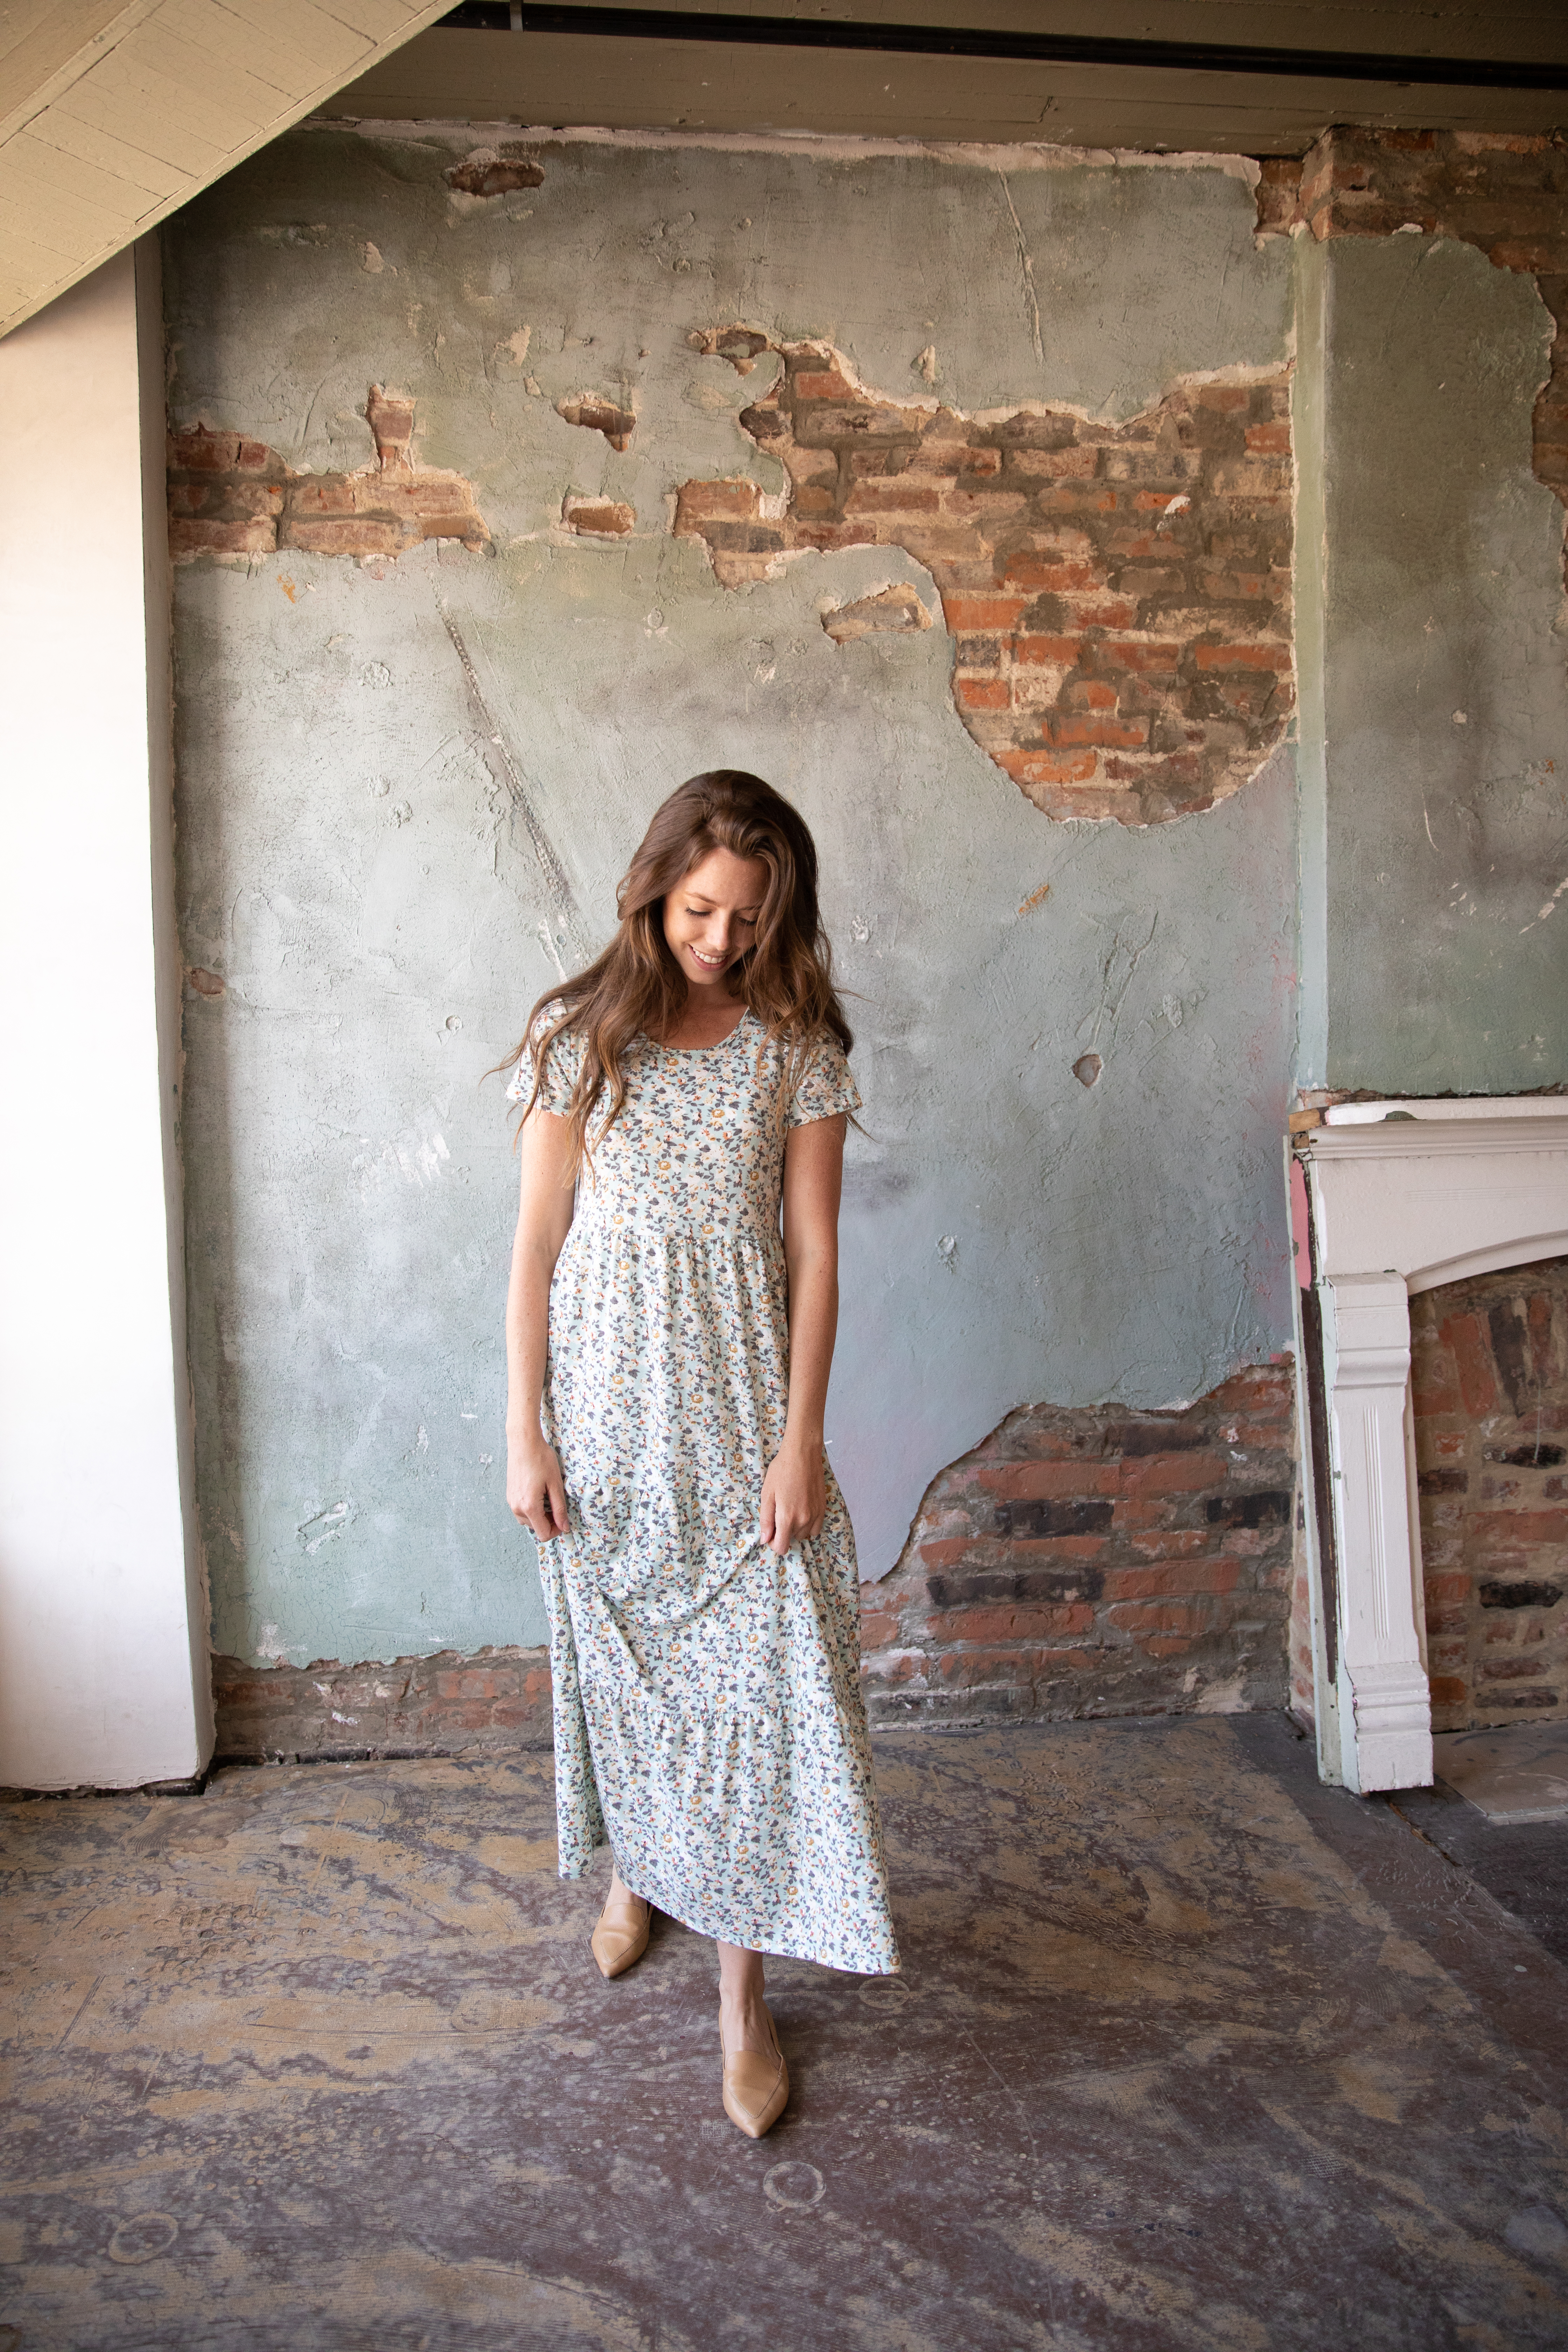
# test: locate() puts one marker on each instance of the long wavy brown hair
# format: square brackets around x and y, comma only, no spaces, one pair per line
[636,987]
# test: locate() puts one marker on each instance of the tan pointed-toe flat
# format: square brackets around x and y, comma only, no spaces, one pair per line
[620,1939]
[756,2089]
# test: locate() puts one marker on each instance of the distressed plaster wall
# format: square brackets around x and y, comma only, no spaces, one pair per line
[1436,796]
[407,788]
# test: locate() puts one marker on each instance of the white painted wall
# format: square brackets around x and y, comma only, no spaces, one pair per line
[104,1669]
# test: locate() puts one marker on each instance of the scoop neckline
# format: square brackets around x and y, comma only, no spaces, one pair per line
[746,1016]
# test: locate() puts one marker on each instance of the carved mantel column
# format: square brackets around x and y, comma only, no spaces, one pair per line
[1385,1713]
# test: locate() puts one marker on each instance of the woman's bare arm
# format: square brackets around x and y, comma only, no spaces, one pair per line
[534,1491]
[795,1491]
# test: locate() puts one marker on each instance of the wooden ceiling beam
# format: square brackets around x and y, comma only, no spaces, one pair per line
[1259,76]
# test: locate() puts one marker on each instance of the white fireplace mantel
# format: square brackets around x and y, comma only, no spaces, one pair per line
[1406,1196]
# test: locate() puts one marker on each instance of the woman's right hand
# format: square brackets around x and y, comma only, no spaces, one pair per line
[535,1491]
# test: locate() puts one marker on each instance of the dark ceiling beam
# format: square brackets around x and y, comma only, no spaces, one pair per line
[1031,49]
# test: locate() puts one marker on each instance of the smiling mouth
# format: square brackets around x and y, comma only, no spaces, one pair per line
[709,964]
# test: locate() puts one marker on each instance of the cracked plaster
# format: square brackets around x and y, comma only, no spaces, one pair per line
[405,800]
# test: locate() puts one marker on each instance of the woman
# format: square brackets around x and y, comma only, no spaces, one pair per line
[668,1352]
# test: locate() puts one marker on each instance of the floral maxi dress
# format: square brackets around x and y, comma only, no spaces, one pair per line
[708,1720]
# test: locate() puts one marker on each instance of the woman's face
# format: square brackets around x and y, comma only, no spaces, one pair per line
[710,918]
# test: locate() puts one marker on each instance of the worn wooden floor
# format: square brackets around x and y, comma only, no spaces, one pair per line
[1523,1865]
[1188,2053]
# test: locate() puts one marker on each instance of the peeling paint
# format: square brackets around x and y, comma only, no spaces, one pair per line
[232,496]
[1123,645]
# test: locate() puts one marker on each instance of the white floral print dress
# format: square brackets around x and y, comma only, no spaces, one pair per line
[708,1720]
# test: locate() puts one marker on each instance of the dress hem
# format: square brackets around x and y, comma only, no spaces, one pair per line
[775,1951]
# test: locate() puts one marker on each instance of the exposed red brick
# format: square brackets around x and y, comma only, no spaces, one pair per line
[189,537]
[878,1626]
[1490,1385]
[1254,655]
[983,612]
[229,495]
[1044,569]
[981,693]
[495,171]
[441,1705]
[1519,1530]
[1001,1624]
[598,518]
[596,413]
[700,502]
[1121,1535]
[1035,1481]
[896,611]
[1165,1474]
[1175,1577]
[1121,734]
[898,496]
[1473,1360]
[357,535]
[1158,1616]
[1046,767]
[390,417]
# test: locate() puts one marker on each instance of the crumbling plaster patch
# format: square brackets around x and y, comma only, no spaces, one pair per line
[1504,193]
[229,495]
[1119,594]
[1032,155]
[495,170]
[1097,1563]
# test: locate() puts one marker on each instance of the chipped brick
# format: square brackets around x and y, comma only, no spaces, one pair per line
[1489,1388]
[598,518]
[224,492]
[1094,1527]
[595,412]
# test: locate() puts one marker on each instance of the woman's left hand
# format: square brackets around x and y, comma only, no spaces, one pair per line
[795,1495]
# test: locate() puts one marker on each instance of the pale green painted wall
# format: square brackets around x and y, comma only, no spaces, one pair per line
[350,863]
[1436,815]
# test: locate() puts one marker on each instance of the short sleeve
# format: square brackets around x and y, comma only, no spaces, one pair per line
[825,1087]
[561,1063]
